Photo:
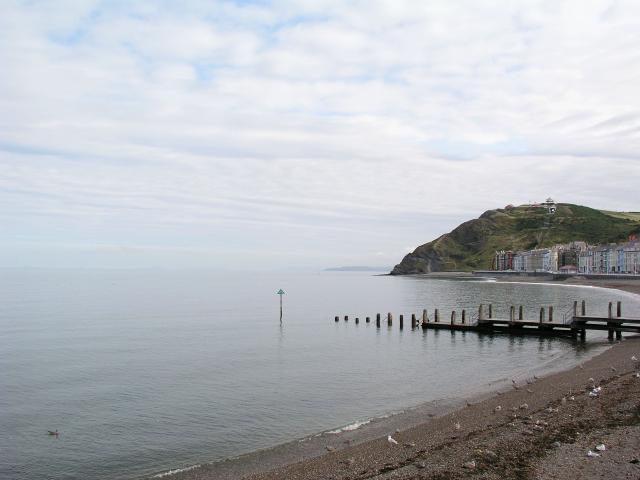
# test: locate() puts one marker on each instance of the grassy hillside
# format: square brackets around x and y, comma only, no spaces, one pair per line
[471,246]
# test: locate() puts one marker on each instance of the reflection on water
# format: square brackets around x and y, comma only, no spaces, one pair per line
[146,371]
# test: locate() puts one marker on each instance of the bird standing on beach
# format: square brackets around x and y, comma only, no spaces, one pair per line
[391,440]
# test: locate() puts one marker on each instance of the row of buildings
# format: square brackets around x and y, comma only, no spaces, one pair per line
[574,257]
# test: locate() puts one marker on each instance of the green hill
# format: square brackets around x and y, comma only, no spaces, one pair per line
[472,245]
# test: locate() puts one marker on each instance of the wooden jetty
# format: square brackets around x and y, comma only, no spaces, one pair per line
[573,323]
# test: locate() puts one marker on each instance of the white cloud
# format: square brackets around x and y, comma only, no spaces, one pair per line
[324,128]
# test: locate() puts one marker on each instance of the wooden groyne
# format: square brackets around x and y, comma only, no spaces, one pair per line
[573,323]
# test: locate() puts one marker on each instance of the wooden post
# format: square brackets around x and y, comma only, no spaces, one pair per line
[521,313]
[378,320]
[367,320]
[401,321]
[464,316]
[346,318]
[424,316]
[609,324]
[550,313]
[619,314]
[436,315]
[490,310]
[413,321]
[453,317]
[583,308]
[541,314]
[389,319]
[575,308]
[337,318]
[357,320]
[512,314]
[480,314]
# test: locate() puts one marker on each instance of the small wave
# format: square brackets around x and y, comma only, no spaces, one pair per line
[173,472]
[350,427]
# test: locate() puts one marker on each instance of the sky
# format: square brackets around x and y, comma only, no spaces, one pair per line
[302,134]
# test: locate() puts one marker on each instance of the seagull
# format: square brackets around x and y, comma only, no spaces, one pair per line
[633,358]
[391,440]
[613,369]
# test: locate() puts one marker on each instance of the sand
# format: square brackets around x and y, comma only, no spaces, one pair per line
[541,430]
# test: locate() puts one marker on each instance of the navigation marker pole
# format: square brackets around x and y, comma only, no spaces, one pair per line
[281,293]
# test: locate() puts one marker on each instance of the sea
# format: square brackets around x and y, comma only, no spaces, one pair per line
[152,373]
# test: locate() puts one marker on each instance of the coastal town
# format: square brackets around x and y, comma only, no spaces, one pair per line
[574,258]
[577,257]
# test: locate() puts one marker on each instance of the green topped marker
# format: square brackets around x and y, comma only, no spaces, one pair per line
[281,293]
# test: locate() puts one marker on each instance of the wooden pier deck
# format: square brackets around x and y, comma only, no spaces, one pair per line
[573,323]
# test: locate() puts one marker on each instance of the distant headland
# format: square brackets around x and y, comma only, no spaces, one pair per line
[357,268]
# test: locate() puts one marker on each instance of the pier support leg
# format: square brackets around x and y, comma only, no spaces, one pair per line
[480,313]
[583,334]
[389,319]
[618,314]
[583,308]
[424,318]
[413,321]
[401,321]
[453,317]
[610,324]
[521,313]
[464,317]
[550,313]
[367,320]
[357,320]
[490,310]
[346,318]
[541,315]
[436,315]
[512,315]
[378,320]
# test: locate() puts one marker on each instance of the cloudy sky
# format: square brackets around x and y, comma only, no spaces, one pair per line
[295,134]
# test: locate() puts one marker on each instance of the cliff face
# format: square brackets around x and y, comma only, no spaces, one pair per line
[471,246]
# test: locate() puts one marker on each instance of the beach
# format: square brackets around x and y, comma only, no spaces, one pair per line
[540,428]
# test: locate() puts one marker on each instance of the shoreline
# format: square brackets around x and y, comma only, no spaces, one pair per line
[527,426]
[324,453]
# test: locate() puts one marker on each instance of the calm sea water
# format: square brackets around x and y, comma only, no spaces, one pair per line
[146,371]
